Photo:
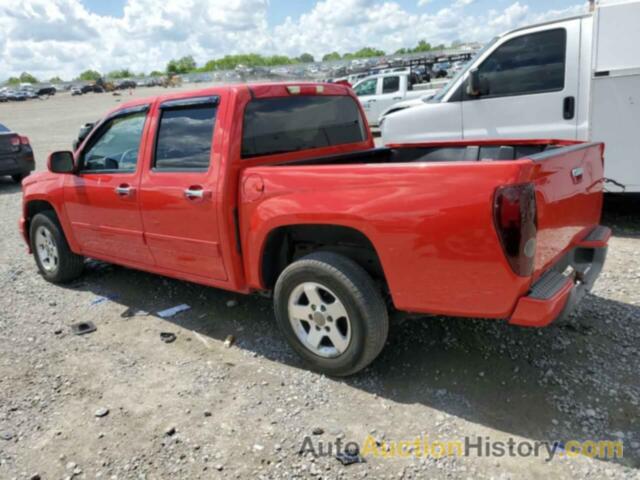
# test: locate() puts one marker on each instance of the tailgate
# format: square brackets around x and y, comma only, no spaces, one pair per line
[569,194]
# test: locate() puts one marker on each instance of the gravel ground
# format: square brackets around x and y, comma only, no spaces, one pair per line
[120,403]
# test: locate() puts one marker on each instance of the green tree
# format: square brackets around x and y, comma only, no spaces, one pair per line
[306,58]
[26,77]
[330,57]
[366,52]
[89,76]
[123,73]
[55,79]
[13,81]
[423,46]
[183,65]
[156,73]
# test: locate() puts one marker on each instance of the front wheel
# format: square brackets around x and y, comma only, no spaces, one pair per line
[331,312]
[55,260]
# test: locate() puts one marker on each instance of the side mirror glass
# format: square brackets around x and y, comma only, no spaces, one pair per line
[473,83]
[61,162]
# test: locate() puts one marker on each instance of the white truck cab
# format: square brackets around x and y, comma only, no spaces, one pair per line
[378,92]
[575,78]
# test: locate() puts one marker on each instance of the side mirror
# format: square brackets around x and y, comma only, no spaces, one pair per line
[473,83]
[61,162]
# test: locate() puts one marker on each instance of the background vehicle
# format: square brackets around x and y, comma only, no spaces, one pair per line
[278,187]
[16,155]
[575,78]
[46,90]
[426,96]
[76,91]
[379,92]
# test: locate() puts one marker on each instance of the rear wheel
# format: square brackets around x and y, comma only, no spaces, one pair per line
[55,260]
[331,312]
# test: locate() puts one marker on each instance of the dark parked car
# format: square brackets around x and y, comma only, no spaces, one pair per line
[16,155]
[3,98]
[46,90]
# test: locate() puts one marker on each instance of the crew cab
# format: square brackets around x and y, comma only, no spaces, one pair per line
[278,188]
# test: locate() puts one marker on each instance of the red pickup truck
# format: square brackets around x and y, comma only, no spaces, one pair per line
[279,188]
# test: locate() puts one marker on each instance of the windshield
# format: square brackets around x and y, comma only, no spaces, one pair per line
[3,129]
[454,80]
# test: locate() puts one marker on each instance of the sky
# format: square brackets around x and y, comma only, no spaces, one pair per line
[65,37]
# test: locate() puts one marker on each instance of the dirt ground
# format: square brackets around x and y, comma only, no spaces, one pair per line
[119,403]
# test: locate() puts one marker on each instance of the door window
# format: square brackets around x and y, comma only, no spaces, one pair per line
[115,148]
[390,84]
[367,87]
[184,138]
[533,63]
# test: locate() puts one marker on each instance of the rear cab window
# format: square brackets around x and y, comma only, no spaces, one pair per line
[296,123]
[4,129]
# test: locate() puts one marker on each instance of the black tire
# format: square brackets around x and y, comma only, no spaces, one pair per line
[69,265]
[19,177]
[356,290]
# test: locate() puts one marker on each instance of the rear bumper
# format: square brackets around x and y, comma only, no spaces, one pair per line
[560,289]
[17,163]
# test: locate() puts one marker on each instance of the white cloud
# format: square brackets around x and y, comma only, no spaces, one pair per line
[61,37]
[422,3]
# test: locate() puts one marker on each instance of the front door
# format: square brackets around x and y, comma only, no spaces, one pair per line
[101,201]
[529,87]
[179,189]
[367,92]
[389,94]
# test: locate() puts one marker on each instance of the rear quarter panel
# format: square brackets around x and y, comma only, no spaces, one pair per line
[431,225]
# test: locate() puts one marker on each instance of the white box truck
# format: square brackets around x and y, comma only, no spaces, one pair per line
[575,78]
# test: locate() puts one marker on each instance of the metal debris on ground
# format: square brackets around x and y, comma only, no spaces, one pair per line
[232,303]
[167,337]
[170,312]
[82,328]
[102,299]
[230,340]
[350,456]
[133,312]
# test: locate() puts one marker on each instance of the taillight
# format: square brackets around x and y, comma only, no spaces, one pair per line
[17,140]
[516,223]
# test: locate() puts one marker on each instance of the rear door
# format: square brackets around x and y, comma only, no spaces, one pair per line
[178,190]
[390,93]
[529,86]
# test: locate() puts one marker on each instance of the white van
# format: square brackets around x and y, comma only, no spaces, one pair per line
[576,78]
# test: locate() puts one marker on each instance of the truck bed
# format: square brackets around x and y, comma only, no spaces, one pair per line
[429,210]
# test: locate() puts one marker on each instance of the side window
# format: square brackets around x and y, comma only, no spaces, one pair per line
[116,145]
[390,84]
[533,63]
[368,87]
[184,138]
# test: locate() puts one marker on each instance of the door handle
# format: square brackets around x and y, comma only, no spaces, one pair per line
[196,192]
[124,190]
[568,108]
[371,101]
[397,98]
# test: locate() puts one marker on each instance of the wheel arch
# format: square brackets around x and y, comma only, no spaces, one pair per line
[286,243]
